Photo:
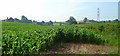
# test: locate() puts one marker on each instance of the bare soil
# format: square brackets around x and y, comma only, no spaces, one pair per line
[79,48]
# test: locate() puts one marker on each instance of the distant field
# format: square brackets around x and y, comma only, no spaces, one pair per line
[108,31]
[56,24]
[21,38]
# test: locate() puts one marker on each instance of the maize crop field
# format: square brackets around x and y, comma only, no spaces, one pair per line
[21,38]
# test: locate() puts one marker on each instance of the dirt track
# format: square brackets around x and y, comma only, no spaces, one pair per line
[78,48]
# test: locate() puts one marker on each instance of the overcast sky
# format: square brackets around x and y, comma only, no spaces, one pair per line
[58,10]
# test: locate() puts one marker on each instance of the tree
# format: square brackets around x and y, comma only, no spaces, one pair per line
[71,20]
[43,22]
[23,18]
[51,23]
[10,19]
[34,22]
[85,19]
[55,21]
[115,20]
[16,20]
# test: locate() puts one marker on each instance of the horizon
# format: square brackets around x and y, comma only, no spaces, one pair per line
[53,10]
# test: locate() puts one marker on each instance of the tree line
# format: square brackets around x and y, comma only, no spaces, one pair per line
[70,21]
[25,20]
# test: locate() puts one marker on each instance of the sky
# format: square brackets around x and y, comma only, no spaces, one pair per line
[59,10]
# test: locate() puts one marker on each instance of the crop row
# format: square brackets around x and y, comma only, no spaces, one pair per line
[35,41]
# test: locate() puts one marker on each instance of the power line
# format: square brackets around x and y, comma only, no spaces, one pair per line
[119,11]
[98,14]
